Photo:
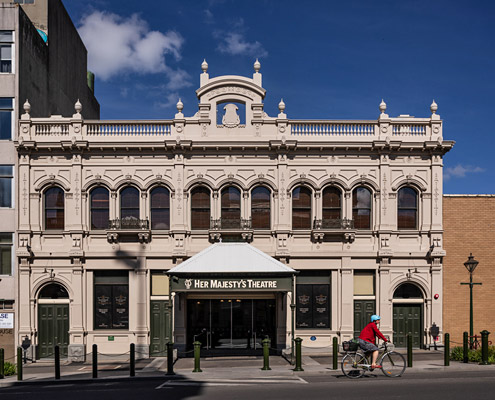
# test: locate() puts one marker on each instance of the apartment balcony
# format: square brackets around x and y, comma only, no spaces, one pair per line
[231,229]
[128,228]
[326,228]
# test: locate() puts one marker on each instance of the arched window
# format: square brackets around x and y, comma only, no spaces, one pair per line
[361,208]
[53,291]
[331,206]
[99,208]
[54,208]
[408,291]
[200,208]
[231,207]
[160,208]
[260,208]
[129,203]
[301,208]
[407,208]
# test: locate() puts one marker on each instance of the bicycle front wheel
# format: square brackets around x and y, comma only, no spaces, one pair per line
[393,364]
[353,365]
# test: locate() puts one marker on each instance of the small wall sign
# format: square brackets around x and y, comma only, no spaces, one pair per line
[6,320]
[111,338]
[313,338]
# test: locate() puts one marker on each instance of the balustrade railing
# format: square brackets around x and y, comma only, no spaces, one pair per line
[128,223]
[329,128]
[408,129]
[45,129]
[333,224]
[230,224]
[131,128]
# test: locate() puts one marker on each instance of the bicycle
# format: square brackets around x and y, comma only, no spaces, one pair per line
[356,363]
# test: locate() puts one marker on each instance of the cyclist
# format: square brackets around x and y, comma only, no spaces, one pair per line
[368,336]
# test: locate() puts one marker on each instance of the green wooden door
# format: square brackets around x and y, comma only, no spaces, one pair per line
[363,310]
[160,328]
[53,329]
[408,319]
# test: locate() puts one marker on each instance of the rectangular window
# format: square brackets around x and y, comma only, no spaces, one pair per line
[6,180]
[6,40]
[6,112]
[159,283]
[364,283]
[111,300]
[313,300]
[5,253]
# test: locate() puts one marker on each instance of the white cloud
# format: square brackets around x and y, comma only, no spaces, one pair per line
[235,44]
[170,101]
[460,171]
[118,45]
[178,79]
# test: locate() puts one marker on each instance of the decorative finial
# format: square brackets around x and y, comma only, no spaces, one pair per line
[180,105]
[27,107]
[281,106]
[204,66]
[78,107]
[383,107]
[434,107]
[257,66]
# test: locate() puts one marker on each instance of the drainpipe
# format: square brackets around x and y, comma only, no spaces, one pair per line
[293,312]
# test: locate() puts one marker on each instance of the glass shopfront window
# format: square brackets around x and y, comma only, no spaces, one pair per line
[111,301]
[313,300]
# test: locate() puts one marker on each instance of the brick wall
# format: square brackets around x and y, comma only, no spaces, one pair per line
[469,227]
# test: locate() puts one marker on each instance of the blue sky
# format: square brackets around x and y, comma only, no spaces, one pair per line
[326,59]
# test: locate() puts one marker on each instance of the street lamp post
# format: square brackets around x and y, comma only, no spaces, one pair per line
[471,265]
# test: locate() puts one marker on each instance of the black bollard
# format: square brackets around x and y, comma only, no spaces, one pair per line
[19,364]
[465,347]
[57,362]
[266,354]
[95,361]
[197,355]
[446,355]
[484,347]
[298,354]
[132,366]
[409,351]
[170,358]
[335,350]
[2,360]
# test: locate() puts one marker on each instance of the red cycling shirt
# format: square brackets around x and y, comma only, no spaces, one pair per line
[370,332]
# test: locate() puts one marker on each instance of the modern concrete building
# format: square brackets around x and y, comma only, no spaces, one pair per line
[231,203]
[42,58]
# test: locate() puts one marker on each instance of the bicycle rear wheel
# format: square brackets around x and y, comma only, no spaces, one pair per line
[393,364]
[353,365]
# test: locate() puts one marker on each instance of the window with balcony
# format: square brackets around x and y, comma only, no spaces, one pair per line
[260,208]
[301,208]
[129,204]
[407,208]
[361,208]
[332,207]
[54,208]
[100,208]
[6,181]
[6,41]
[230,213]
[200,208]
[6,115]
[160,208]
[5,253]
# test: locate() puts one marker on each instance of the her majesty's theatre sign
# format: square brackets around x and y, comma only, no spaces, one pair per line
[231,284]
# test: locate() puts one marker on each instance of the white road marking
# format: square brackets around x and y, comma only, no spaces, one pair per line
[230,382]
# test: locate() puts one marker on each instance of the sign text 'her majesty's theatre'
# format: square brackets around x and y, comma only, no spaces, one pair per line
[273,284]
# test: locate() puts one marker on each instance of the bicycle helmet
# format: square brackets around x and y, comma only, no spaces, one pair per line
[375,317]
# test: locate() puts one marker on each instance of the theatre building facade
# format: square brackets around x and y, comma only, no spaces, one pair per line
[226,227]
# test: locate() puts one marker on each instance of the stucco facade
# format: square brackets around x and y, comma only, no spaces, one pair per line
[344,241]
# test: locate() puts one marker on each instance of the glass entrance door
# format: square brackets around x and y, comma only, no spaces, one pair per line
[231,324]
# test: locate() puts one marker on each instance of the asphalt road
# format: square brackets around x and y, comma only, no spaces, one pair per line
[437,385]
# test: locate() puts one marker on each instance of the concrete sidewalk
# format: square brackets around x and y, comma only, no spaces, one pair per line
[216,369]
